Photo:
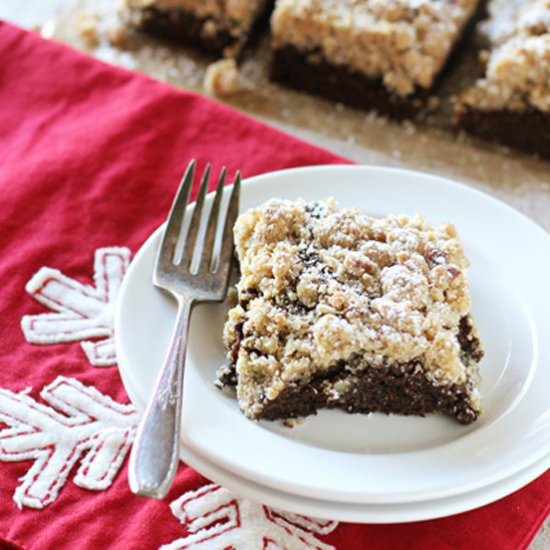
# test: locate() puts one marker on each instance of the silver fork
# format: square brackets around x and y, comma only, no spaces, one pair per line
[155,454]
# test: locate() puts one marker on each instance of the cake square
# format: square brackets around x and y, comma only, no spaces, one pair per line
[337,309]
[511,103]
[372,54]
[218,27]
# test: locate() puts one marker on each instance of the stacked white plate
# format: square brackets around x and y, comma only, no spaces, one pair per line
[371,468]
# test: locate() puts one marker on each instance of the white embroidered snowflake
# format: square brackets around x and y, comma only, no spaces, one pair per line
[82,311]
[216,519]
[78,424]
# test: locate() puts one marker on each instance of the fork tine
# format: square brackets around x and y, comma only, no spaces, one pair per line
[175,218]
[227,237]
[189,248]
[210,236]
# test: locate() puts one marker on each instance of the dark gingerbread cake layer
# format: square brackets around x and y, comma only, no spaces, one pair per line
[185,28]
[291,67]
[206,33]
[527,131]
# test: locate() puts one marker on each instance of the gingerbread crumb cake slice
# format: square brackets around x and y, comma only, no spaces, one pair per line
[337,309]
[385,55]
[511,103]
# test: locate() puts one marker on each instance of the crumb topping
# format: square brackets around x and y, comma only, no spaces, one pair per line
[518,64]
[404,42]
[222,78]
[321,285]
[235,16]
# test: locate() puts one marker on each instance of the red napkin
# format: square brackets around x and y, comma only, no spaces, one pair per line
[90,158]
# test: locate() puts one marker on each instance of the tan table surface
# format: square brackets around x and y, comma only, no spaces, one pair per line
[520,181]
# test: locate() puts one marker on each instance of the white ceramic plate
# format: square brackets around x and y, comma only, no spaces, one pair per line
[374,458]
[363,512]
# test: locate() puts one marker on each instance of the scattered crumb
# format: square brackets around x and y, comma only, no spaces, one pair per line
[222,78]
[232,297]
[292,422]
[118,36]
[224,371]
[88,29]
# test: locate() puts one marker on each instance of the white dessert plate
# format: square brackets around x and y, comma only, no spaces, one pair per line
[372,458]
[363,512]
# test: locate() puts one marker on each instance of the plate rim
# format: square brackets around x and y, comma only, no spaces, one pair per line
[368,513]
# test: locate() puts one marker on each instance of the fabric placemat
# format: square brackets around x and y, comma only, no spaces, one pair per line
[91,156]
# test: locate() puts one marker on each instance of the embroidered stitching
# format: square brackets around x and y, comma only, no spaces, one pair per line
[215,519]
[79,423]
[82,311]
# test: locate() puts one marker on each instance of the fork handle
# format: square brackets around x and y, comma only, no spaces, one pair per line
[155,454]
